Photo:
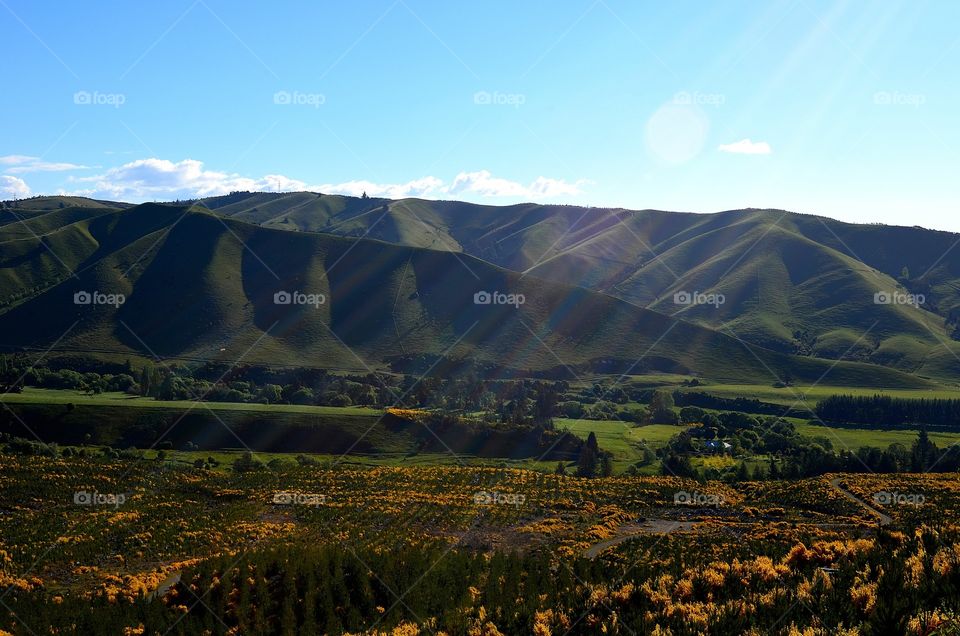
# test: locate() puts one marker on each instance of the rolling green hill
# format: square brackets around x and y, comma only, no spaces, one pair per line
[201,286]
[794,283]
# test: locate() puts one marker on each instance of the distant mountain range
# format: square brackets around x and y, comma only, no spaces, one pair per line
[749,295]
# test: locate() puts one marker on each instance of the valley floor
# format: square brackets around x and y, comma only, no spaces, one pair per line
[631,445]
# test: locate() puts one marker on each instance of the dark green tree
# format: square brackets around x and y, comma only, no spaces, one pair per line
[145,382]
[168,388]
[743,472]
[661,408]
[587,461]
[606,465]
[923,453]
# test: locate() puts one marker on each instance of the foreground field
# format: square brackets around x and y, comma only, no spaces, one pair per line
[143,547]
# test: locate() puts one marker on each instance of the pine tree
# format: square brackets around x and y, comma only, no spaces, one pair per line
[145,382]
[587,462]
[606,465]
[261,603]
[288,613]
[592,442]
[155,381]
[310,605]
[923,453]
[168,388]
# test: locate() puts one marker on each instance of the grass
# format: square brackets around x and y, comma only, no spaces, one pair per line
[122,424]
[383,300]
[623,439]
[32,395]
[226,457]
[854,438]
[718,462]
[645,380]
[809,395]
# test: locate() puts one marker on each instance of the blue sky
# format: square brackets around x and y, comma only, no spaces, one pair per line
[846,109]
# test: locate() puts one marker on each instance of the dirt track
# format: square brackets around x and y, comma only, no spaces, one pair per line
[884,518]
[629,531]
[666,526]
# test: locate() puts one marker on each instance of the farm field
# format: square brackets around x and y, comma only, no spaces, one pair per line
[621,438]
[854,438]
[808,396]
[33,395]
[225,458]
[626,440]
[131,546]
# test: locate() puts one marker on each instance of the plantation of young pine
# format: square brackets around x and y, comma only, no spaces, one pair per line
[144,547]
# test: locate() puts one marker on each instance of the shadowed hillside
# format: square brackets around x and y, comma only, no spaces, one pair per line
[790,282]
[197,286]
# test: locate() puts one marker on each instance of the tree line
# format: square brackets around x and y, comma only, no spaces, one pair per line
[882,411]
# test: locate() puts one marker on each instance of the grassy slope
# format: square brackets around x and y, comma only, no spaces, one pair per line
[780,272]
[775,281]
[200,287]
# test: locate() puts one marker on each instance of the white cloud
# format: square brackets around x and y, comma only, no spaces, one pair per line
[153,178]
[46,166]
[485,184]
[13,187]
[747,147]
[150,179]
[423,187]
[545,187]
[21,164]
[9,160]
